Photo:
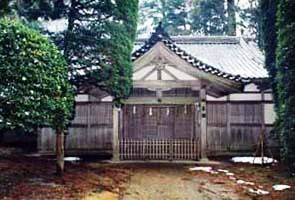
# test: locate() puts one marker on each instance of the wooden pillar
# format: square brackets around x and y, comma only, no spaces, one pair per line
[116,134]
[228,119]
[203,124]
[39,139]
[196,127]
[262,110]
[88,121]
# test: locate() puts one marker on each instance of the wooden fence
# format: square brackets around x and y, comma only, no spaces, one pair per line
[159,149]
[235,126]
[232,127]
[90,131]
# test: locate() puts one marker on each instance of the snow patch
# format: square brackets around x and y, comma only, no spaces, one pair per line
[229,174]
[204,169]
[72,159]
[253,160]
[281,187]
[258,191]
[213,172]
[223,170]
[244,182]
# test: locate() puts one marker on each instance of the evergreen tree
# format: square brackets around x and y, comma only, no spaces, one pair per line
[208,17]
[172,13]
[182,17]
[4,7]
[285,61]
[34,87]
[232,24]
[269,35]
[97,41]
[251,20]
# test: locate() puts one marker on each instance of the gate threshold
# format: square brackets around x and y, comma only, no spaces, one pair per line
[200,162]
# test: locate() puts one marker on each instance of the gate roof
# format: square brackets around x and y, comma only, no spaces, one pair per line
[229,57]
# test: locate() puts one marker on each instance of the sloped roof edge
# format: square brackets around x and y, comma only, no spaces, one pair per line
[161,36]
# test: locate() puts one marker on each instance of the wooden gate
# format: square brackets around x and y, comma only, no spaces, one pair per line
[159,149]
[153,132]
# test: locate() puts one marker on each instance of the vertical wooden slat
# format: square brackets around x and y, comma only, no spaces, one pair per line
[158,149]
[228,123]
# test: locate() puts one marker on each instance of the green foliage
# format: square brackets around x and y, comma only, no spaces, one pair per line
[97,42]
[182,17]
[269,34]
[172,13]
[208,17]
[34,88]
[251,20]
[232,23]
[285,78]
[48,9]
[4,7]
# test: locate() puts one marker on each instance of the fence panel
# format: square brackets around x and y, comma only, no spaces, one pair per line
[159,149]
[90,130]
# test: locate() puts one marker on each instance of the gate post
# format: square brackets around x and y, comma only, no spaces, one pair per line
[116,144]
[203,124]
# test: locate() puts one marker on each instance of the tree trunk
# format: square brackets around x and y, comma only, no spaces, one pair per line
[60,151]
[231,18]
[70,28]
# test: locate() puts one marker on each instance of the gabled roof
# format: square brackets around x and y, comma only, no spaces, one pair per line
[233,58]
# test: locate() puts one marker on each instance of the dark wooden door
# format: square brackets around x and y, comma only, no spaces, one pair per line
[159,132]
[149,121]
[166,122]
[185,124]
[159,121]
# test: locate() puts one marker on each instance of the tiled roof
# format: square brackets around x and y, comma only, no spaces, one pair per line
[233,58]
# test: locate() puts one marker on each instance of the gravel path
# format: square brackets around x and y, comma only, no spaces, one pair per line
[173,183]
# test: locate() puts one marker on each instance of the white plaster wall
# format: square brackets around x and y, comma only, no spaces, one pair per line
[238,97]
[245,97]
[82,98]
[210,98]
[107,99]
[252,87]
[268,97]
[177,73]
[269,113]
[142,72]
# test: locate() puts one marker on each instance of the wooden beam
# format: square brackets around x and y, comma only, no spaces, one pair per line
[159,74]
[141,67]
[164,100]
[159,95]
[203,124]
[160,50]
[88,118]
[170,74]
[148,74]
[228,119]
[197,123]
[115,134]
[262,110]
[39,139]
[164,84]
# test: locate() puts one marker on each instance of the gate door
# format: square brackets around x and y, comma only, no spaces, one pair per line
[153,132]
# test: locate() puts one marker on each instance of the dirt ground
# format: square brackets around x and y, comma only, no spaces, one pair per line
[32,178]
[173,182]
